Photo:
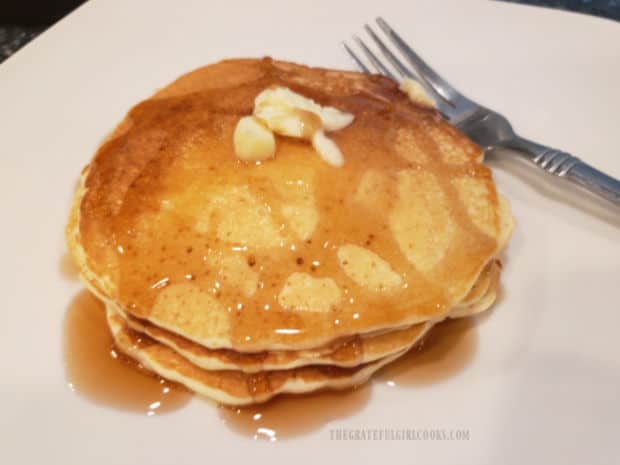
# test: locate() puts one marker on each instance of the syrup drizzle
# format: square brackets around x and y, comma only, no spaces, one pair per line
[162,226]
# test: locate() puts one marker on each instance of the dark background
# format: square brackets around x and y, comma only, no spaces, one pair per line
[22,20]
[35,12]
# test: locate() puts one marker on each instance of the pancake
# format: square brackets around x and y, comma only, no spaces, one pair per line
[486,282]
[485,300]
[360,349]
[180,361]
[352,352]
[235,387]
[291,253]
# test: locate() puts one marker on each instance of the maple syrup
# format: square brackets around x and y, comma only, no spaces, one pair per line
[291,415]
[444,352]
[150,252]
[151,217]
[97,371]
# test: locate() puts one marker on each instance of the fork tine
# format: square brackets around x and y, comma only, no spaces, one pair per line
[380,67]
[439,84]
[356,59]
[403,71]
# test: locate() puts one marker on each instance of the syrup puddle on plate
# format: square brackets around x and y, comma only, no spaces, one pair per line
[289,415]
[97,371]
[447,349]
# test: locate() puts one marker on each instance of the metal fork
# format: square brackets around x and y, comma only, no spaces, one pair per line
[486,127]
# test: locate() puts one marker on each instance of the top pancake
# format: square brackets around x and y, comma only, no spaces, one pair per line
[290,253]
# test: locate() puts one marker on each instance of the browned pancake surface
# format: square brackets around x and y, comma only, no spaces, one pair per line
[174,229]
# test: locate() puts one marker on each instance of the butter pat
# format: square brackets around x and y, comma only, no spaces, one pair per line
[327,149]
[272,103]
[416,93]
[290,122]
[252,140]
[281,111]
[334,119]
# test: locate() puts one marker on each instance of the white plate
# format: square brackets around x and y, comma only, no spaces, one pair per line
[542,383]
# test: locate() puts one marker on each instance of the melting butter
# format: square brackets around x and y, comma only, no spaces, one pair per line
[281,111]
[416,93]
[252,140]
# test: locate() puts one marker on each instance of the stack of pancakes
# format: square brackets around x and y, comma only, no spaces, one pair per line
[243,280]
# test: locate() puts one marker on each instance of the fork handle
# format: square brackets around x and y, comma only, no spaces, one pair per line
[566,166]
